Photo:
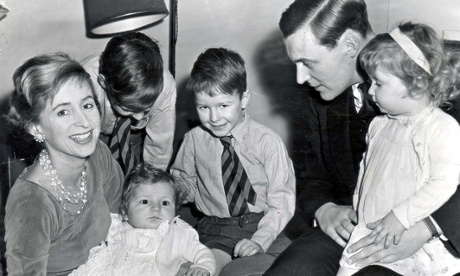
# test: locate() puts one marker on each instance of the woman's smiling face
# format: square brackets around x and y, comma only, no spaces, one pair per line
[71,121]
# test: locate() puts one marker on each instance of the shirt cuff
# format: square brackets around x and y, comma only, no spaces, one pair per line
[439,232]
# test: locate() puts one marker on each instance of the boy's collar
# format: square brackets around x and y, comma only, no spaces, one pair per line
[241,129]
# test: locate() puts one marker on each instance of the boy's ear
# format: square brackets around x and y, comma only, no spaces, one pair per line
[351,40]
[245,99]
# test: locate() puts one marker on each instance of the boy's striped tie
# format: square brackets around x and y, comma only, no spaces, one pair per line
[119,144]
[237,187]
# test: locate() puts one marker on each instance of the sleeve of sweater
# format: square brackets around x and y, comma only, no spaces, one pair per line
[442,151]
[30,223]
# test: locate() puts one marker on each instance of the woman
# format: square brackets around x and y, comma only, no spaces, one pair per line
[59,208]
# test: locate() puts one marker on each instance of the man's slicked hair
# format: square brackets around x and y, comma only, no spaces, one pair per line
[328,19]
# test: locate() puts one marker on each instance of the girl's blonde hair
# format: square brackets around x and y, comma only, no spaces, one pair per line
[384,53]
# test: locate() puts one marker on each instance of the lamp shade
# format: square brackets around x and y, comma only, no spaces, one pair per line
[104,17]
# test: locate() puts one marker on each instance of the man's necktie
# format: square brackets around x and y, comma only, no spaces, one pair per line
[237,187]
[119,144]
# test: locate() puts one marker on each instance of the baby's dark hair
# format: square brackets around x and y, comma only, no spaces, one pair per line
[145,173]
[218,70]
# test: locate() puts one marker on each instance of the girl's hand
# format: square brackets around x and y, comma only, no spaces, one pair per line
[245,248]
[197,271]
[388,228]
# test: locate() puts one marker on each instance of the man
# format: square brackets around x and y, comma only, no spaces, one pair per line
[323,38]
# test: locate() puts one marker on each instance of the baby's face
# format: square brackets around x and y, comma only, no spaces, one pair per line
[151,204]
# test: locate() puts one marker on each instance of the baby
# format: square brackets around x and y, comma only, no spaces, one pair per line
[147,238]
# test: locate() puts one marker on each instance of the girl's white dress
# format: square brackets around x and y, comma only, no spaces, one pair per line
[411,167]
[161,251]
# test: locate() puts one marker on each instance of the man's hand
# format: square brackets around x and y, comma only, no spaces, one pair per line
[336,221]
[411,241]
[245,248]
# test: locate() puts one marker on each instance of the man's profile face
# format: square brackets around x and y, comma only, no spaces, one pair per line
[328,71]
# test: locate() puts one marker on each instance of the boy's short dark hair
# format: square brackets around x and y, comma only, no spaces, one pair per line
[145,173]
[218,70]
[131,67]
[328,19]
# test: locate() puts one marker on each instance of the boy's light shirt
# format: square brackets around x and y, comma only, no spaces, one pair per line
[267,164]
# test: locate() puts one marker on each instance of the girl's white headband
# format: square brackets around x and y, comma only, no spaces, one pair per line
[411,49]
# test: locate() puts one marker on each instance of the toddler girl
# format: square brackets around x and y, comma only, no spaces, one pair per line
[147,238]
[412,163]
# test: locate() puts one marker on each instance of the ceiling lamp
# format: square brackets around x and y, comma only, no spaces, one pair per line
[107,17]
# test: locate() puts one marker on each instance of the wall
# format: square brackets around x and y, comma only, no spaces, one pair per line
[42,26]
[442,15]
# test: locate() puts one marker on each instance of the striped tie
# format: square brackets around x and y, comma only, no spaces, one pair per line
[237,187]
[119,144]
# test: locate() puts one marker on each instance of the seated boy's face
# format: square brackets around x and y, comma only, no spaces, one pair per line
[222,112]
[151,204]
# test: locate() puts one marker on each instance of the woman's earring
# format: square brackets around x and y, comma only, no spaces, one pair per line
[39,137]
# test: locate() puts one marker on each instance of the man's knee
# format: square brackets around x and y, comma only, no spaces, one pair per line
[254,265]
[279,245]
[375,270]
[314,254]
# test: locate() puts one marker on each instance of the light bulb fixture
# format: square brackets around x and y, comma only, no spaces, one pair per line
[3,10]
[107,17]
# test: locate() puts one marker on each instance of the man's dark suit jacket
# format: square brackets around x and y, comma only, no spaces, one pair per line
[332,150]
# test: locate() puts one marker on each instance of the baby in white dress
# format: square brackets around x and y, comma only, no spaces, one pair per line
[147,238]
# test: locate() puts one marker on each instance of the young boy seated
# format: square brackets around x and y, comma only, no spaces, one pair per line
[236,170]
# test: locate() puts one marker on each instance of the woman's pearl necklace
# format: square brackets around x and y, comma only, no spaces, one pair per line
[64,196]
